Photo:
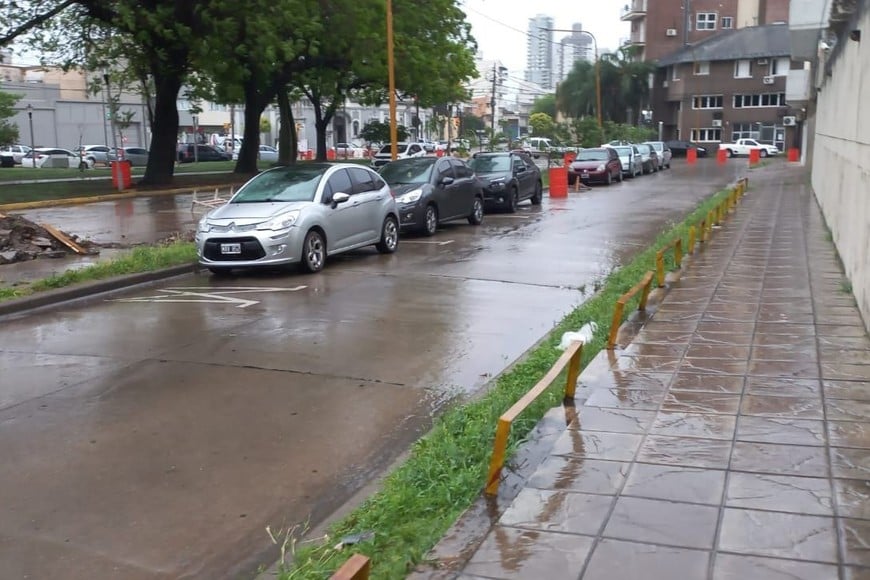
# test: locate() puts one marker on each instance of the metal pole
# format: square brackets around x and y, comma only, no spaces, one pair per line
[232,130]
[195,141]
[116,166]
[492,106]
[391,74]
[32,140]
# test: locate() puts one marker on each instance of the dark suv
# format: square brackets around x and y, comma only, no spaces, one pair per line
[507,178]
[679,148]
[203,153]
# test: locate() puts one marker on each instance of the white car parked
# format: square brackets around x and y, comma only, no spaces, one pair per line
[403,150]
[54,157]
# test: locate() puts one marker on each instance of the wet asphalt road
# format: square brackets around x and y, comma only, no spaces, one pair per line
[157,433]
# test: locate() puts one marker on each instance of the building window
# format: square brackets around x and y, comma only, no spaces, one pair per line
[701,68]
[182,105]
[705,21]
[675,72]
[707,102]
[727,22]
[779,66]
[706,135]
[743,69]
[744,131]
[759,100]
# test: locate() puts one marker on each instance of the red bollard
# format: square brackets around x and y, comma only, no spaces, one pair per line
[559,181]
[439,153]
[721,156]
[691,156]
[794,154]
[330,154]
[754,156]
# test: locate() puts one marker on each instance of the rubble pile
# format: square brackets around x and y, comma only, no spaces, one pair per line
[22,240]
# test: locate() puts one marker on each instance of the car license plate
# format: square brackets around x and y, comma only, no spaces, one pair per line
[585,174]
[231,248]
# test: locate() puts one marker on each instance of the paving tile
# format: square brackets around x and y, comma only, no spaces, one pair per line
[857,342]
[718,351]
[701,402]
[783,387]
[842,356]
[847,372]
[765,328]
[779,459]
[735,567]
[669,482]
[785,317]
[622,380]
[680,326]
[576,474]
[637,349]
[597,445]
[782,493]
[853,498]
[853,573]
[663,522]
[629,560]
[647,363]
[776,430]
[722,338]
[785,352]
[707,383]
[849,434]
[626,399]
[729,316]
[840,319]
[783,340]
[654,336]
[726,327]
[857,390]
[706,426]
[688,452]
[856,546]
[782,535]
[512,553]
[613,420]
[839,330]
[847,410]
[796,369]
[785,407]
[557,511]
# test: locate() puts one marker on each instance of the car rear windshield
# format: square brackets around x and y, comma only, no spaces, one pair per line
[417,170]
[400,148]
[284,184]
[592,155]
[657,146]
[623,150]
[491,163]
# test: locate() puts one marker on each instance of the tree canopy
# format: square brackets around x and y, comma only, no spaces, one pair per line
[8,131]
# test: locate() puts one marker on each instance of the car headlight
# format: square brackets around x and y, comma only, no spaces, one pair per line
[496,184]
[280,222]
[410,197]
[600,167]
[203,226]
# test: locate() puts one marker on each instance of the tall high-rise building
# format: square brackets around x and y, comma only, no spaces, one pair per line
[574,47]
[540,52]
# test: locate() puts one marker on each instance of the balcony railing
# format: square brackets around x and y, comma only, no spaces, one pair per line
[634,10]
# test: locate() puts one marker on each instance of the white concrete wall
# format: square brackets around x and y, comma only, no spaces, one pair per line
[841,160]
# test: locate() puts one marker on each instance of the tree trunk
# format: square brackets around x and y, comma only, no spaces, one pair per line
[322,118]
[287,138]
[255,104]
[162,156]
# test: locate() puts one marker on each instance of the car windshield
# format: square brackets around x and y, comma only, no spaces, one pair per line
[623,151]
[491,163]
[644,149]
[400,147]
[592,155]
[656,146]
[417,170]
[284,184]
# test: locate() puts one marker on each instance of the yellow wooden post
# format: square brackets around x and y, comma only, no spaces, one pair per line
[573,372]
[614,325]
[647,286]
[691,247]
[357,567]
[660,267]
[498,451]
[678,252]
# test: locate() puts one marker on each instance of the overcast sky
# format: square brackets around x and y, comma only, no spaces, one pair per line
[500,26]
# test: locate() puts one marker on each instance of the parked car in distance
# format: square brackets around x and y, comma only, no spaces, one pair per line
[348,150]
[629,158]
[597,164]
[649,158]
[744,146]
[433,190]
[203,153]
[17,152]
[136,156]
[267,153]
[664,153]
[507,179]
[94,154]
[678,148]
[54,157]
[404,151]
[299,214]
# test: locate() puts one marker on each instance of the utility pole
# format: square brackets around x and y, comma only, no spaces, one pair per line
[391,81]
[492,106]
[116,166]
[232,130]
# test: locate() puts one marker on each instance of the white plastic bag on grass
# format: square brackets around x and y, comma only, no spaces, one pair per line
[584,335]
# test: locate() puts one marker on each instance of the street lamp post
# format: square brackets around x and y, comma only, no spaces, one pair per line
[391,75]
[32,140]
[597,67]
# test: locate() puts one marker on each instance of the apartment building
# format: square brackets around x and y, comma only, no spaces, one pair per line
[540,54]
[729,86]
[661,27]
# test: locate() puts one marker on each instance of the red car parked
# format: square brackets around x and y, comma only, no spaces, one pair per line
[600,164]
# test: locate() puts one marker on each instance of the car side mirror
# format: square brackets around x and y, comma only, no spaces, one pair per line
[519,169]
[447,180]
[339,197]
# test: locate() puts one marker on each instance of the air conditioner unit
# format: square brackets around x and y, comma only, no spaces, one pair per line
[716,123]
[671,32]
[768,80]
[789,121]
[762,61]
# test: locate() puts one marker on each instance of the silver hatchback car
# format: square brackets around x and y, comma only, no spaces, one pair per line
[299,215]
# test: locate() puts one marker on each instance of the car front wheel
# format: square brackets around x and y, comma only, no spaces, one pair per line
[389,236]
[763,153]
[513,201]
[430,220]
[539,194]
[313,252]
[475,218]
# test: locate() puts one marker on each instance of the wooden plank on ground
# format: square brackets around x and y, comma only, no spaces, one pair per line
[64,239]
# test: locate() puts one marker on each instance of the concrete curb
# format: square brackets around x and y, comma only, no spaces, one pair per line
[108,197]
[86,289]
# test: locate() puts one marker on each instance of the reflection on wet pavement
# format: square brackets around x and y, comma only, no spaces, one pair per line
[737,424]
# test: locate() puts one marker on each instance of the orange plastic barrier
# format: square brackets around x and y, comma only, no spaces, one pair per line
[121,176]
[721,156]
[691,156]
[794,154]
[754,156]
[558,182]
[330,154]
[439,153]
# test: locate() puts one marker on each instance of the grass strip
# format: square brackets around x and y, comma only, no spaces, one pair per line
[141,259]
[446,469]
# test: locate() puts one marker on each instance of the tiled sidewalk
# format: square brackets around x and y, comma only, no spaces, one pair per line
[730,440]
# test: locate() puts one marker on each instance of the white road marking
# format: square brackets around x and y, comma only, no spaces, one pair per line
[508,216]
[209,295]
[431,243]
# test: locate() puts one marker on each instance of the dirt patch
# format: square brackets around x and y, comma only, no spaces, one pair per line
[22,240]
